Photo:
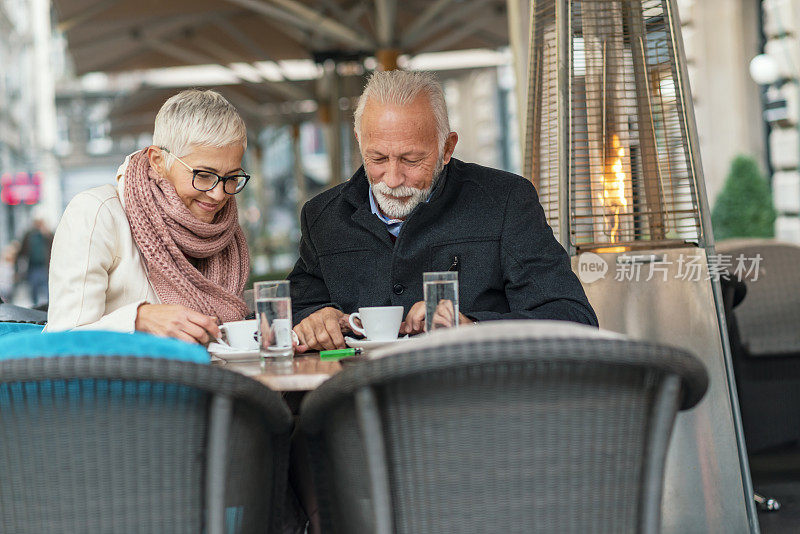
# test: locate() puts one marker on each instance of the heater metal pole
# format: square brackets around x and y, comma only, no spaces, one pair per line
[651,167]
[519,39]
[707,241]
[531,167]
[564,62]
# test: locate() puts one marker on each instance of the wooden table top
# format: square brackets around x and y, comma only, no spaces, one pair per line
[304,372]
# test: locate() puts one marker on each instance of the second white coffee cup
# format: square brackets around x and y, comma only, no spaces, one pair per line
[240,334]
[380,323]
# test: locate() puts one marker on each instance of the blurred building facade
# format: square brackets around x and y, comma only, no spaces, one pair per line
[87,152]
[720,39]
[31,55]
[734,114]
[482,110]
[781,102]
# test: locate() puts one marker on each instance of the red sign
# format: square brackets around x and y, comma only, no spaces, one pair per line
[20,188]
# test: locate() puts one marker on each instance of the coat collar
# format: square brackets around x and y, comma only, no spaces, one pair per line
[356,192]
[121,177]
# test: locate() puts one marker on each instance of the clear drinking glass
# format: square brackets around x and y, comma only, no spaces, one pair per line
[441,299]
[274,314]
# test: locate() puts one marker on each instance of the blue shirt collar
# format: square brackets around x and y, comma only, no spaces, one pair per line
[393,225]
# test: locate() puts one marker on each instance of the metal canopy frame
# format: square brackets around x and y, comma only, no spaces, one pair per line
[119,35]
[365,27]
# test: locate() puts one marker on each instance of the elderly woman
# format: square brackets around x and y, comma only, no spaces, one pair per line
[162,252]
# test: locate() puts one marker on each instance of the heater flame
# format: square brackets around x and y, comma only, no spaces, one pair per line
[612,198]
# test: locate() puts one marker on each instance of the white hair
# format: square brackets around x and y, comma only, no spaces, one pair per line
[401,88]
[197,118]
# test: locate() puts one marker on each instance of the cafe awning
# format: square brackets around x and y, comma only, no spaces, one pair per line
[120,35]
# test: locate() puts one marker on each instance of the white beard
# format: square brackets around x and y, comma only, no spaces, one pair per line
[394,208]
[388,202]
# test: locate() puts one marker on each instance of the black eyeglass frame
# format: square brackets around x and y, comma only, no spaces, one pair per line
[223,179]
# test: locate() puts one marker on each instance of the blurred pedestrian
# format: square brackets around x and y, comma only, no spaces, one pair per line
[35,253]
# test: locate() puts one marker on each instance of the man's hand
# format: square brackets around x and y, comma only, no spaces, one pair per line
[444,315]
[174,320]
[322,330]
[415,319]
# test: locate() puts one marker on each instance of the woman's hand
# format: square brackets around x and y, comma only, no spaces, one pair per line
[174,320]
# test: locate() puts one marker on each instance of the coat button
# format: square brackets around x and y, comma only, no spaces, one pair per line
[398,289]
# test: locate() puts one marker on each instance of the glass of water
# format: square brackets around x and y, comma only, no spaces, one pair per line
[274,314]
[441,299]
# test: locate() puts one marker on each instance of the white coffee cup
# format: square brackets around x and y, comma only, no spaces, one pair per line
[381,323]
[240,334]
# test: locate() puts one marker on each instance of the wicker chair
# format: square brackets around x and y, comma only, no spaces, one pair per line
[10,312]
[513,427]
[765,341]
[136,444]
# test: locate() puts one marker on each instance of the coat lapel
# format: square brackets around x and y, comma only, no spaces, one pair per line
[364,217]
[356,193]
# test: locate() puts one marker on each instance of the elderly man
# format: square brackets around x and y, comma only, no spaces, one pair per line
[413,208]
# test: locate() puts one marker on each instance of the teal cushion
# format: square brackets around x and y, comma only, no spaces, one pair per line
[36,394]
[98,343]
[13,328]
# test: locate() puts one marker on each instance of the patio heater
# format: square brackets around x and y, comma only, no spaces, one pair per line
[611,145]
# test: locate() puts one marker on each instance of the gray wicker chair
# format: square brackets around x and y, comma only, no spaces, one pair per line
[770,314]
[9,312]
[124,444]
[765,342]
[514,427]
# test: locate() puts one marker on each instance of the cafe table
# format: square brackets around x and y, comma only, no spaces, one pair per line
[304,372]
[293,378]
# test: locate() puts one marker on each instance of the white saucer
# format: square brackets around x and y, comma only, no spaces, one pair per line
[367,344]
[233,355]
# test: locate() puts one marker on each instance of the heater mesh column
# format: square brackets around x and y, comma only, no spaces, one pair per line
[630,178]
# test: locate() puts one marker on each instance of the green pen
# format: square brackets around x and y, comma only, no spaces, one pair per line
[338,354]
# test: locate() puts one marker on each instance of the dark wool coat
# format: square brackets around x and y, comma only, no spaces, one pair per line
[487,224]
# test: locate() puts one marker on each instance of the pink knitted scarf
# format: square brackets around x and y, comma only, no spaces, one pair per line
[167,234]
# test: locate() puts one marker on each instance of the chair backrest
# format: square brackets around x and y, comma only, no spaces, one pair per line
[121,443]
[10,312]
[769,316]
[505,427]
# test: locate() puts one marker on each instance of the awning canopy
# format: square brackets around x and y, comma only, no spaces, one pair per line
[120,35]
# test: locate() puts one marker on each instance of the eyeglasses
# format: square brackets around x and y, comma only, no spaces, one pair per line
[207,180]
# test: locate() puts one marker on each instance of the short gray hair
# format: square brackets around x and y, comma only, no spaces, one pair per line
[400,88]
[197,118]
